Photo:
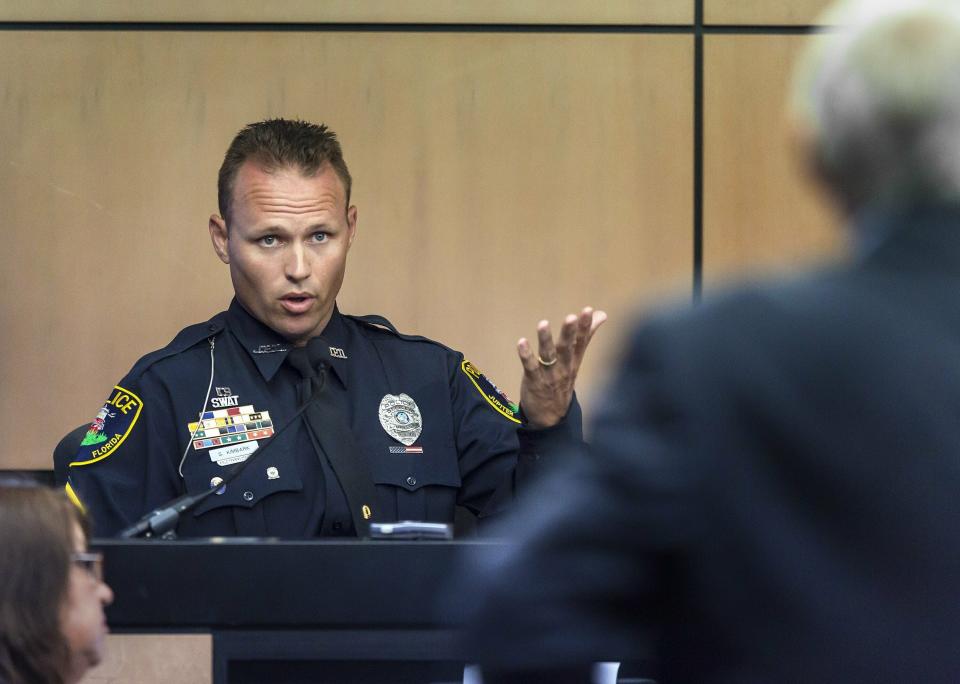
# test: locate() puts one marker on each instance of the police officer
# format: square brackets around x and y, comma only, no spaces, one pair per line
[382,426]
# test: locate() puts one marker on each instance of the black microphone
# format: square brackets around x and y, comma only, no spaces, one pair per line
[161,521]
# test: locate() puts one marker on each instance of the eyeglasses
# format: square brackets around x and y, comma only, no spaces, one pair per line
[91,562]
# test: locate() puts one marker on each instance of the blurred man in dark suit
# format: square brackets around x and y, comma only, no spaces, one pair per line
[774,493]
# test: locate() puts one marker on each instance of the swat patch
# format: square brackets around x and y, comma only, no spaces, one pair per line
[494,396]
[110,427]
[225,398]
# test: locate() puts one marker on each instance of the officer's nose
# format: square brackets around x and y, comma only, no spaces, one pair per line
[297,263]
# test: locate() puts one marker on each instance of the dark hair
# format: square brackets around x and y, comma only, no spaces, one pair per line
[279,143]
[36,542]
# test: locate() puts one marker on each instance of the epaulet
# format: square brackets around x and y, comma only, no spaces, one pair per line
[375,321]
[186,338]
[382,324]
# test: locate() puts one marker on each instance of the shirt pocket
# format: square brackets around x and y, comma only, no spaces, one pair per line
[253,485]
[414,471]
[420,487]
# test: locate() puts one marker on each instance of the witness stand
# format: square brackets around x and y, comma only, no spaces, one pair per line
[324,612]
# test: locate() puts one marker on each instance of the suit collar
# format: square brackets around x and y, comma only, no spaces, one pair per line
[923,237]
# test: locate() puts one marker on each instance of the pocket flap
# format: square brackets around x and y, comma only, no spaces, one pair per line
[413,471]
[255,483]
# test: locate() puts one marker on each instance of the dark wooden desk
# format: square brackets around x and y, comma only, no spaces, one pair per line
[295,611]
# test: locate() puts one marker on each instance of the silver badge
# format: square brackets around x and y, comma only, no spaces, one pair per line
[400,417]
[272,473]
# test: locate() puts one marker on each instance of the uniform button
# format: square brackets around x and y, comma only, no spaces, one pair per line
[411,480]
[248,495]
[337,525]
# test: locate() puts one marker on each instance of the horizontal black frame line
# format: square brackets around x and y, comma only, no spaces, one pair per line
[322,27]
[764,29]
[380,27]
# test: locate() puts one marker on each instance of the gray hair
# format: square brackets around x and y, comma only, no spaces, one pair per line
[879,92]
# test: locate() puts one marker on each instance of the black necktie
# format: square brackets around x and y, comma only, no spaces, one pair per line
[332,435]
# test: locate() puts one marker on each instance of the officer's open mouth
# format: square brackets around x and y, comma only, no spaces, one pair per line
[296,303]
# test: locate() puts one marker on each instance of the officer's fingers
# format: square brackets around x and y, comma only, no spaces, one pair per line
[583,330]
[568,339]
[584,320]
[527,358]
[588,324]
[596,320]
[546,347]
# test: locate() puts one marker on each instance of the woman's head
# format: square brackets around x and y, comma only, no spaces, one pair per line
[52,625]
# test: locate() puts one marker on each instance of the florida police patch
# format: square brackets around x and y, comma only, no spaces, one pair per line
[110,427]
[494,396]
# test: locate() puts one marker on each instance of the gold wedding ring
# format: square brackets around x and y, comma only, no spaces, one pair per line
[545,364]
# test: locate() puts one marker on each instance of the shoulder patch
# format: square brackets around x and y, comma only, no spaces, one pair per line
[494,396]
[110,427]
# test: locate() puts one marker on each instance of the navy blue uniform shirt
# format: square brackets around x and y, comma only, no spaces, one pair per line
[149,442]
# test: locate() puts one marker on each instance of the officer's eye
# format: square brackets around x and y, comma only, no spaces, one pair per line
[320,236]
[268,240]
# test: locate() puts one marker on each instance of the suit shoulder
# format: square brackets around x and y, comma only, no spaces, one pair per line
[756,332]
[187,338]
[757,306]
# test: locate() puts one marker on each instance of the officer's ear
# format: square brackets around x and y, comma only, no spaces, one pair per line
[219,237]
[351,224]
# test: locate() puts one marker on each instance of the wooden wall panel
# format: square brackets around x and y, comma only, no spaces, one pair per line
[500,178]
[387,11]
[761,210]
[155,659]
[775,12]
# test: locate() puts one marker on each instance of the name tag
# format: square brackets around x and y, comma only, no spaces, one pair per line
[233,454]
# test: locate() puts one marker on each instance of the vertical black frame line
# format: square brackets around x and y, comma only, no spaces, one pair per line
[697,151]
